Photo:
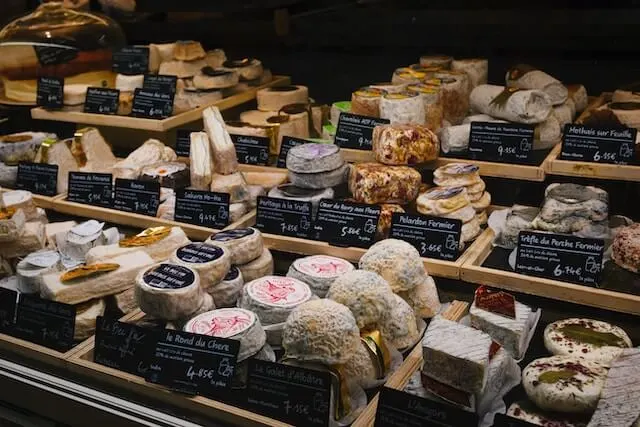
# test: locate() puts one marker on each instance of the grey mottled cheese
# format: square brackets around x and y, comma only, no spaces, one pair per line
[12,228]
[227,292]
[361,367]
[8,175]
[321,331]
[87,288]
[314,158]
[456,354]
[211,262]
[86,315]
[273,298]
[244,244]
[234,184]
[403,107]
[476,68]
[366,294]
[319,271]
[259,267]
[320,180]
[423,298]
[233,323]
[509,333]
[400,327]
[398,262]
[32,239]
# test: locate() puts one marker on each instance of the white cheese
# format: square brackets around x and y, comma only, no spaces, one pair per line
[211,262]
[319,271]
[31,240]
[126,83]
[272,298]
[234,184]
[21,199]
[259,267]
[33,267]
[423,298]
[403,107]
[54,228]
[361,367]
[56,152]
[400,327]
[227,292]
[201,161]
[244,244]
[398,262]
[91,150]
[86,315]
[126,301]
[21,147]
[223,151]
[12,228]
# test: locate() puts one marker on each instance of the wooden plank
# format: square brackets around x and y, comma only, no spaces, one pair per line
[163,125]
[473,272]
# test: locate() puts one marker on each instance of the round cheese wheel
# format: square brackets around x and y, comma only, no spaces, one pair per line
[314,158]
[457,174]
[168,291]
[31,269]
[402,107]
[587,338]
[566,384]
[274,98]
[476,68]
[233,323]
[320,180]
[397,261]
[227,292]
[366,101]
[442,61]
[272,298]
[248,68]
[389,87]
[211,78]
[244,244]
[400,327]
[482,203]
[211,262]
[319,271]
[259,267]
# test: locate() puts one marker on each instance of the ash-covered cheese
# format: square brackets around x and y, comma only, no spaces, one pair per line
[456,354]
[366,294]
[400,327]
[273,298]
[423,298]
[291,192]
[169,291]
[319,180]
[586,338]
[8,175]
[321,331]
[397,261]
[244,244]
[566,384]
[319,271]
[259,267]
[211,262]
[509,333]
[314,158]
[233,323]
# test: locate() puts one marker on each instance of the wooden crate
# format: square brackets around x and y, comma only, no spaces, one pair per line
[473,272]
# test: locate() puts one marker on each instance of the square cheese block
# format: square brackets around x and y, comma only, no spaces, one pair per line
[509,333]
[456,354]
[31,240]
[99,285]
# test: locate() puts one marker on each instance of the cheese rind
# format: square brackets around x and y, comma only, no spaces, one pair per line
[211,262]
[423,298]
[12,228]
[234,184]
[400,326]
[33,267]
[227,292]
[259,267]
[21,147]
[320,180]
[201,161]
[319,271]
[273,298]
[32,239]
[244,244]
[397,261]
[314,158]
[86,315]
[223,150]
[21,199]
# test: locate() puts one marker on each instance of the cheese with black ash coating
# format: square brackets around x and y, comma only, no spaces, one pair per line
[373,183]
[397,261]
[320,180]
[404,144]
[319,271]
[244,244]
[273,298]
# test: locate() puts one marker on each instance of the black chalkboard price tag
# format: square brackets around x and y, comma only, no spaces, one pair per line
[50,92]
[102,100]
[183,142]
[124,346]
[355,131]
[288,142]
[91,188]
[433,237]
[204,208]
[502,420]
[343,223]
[251,150]
[152,104]
[39,178]
[160,83]
[587,144]
[55,52]
[501,142]
[131,60]
[193,363]
[141,197]
[8,300]
[45,322]
[399,409]
[284,217]
[560,257]
[297,396]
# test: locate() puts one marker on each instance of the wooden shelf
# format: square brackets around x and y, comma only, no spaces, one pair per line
[163,125]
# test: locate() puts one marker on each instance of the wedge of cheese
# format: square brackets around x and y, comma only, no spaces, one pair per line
[201,161]
[222,148]
[53,228]
[91,151]
[56,152]
[98,285]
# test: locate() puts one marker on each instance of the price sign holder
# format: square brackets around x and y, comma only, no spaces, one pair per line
[588,144]
[39,178]
[160,83]
[284,217]
[204,208]
[102,100]
[44,322]
[183,142]
[152,104]
[251,150]
[288,142]
[91,188]
[561,257]
[50,92]
[141,197]
[433,237]
[131,60]
[343,223]
[501,142]
[355,131]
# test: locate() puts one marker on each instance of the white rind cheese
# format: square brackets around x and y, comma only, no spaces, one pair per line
[244,244]
[33,267]
[223,151]
[403,107]
[12,228]
[319,271]
[398,262]
[201,161]
[227,292]
[109,283]
[526,411]
[273,298]
[21,199]
[456,354]
[86,315]
[423,298]
[259,267]
[32,239]
[211,262]
[400,327]
[53,228]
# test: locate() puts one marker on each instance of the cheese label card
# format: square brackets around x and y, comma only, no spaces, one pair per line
[284,217]
[45,322]
[502,420]
[183,142]
[8,299]
[291,394]
[50,93]
[152,104]
[160,83]
[131,60]
[204,208]
[101,100]
[501,142]
[251,150]
[587,144]
[124,346]
[288,142]
[355,131]
[199,253]
[399,409]
[91,188]
[560,257]
[141,197]
[433,237]
[55,52]
[193,363]
[347,224]
[39,178]
[169,276]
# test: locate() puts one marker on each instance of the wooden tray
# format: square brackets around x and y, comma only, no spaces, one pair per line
[163,125]
[474,273]
[500,170]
